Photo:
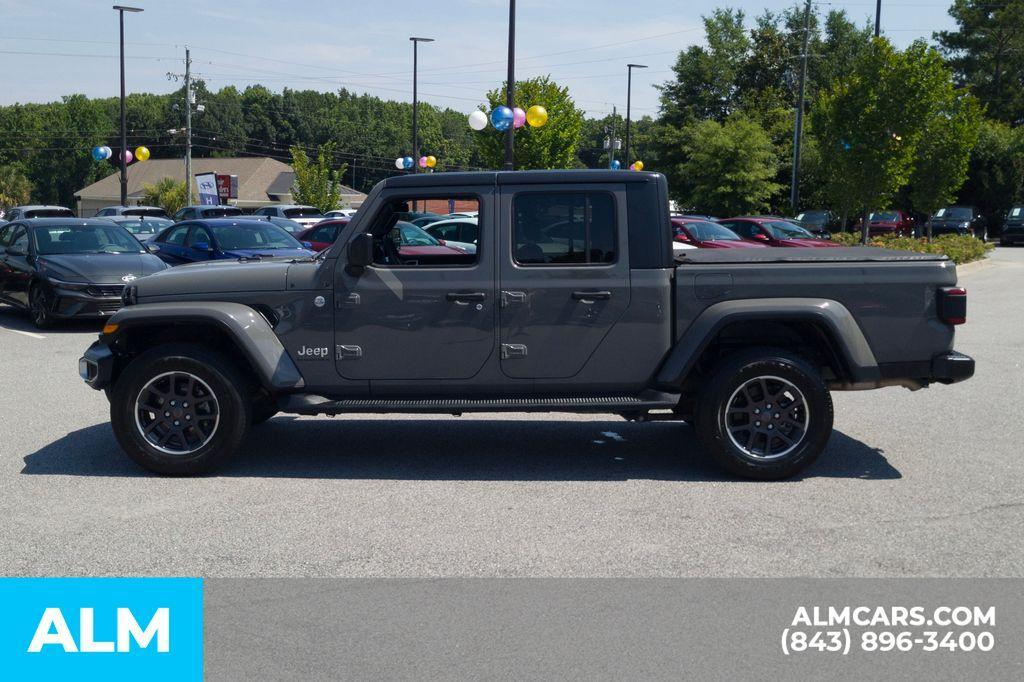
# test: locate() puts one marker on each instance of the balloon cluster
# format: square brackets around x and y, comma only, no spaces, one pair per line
[636,166]
[503,118]
[103,153]
[406,162]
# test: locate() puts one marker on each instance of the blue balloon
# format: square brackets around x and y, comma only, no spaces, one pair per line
[98,153]
[502,118]
[407,162]
[616,164]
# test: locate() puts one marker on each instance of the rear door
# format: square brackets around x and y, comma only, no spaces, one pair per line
[563,275]
[172,244]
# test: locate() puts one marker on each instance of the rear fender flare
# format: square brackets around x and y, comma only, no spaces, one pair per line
[834,316]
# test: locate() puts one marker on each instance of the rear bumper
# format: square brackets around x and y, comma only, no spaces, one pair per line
[952,367]
[97,365]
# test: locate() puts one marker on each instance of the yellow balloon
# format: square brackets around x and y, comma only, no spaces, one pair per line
[141,154]
[639,165]
[431,162]
[536,116]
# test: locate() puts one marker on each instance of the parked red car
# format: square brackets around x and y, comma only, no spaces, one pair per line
[889,222]
[705,234]
[323,233]
[773,231]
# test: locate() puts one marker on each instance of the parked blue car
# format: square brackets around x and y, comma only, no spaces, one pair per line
[195,241]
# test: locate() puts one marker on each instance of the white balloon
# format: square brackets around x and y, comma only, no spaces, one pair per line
[399,163]
[478,120]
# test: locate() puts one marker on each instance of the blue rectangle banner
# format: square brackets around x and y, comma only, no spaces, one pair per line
[101,628]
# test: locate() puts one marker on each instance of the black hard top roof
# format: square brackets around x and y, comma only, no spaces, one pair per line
[518,177]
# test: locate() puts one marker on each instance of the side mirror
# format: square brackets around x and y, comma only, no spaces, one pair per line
[360,250]
[202,246]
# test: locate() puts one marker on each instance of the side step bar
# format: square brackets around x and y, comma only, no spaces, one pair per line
[308,404]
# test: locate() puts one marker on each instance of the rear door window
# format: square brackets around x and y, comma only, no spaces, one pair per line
[564,228]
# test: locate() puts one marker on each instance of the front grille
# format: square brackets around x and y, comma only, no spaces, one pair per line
[108,307]
[106,289]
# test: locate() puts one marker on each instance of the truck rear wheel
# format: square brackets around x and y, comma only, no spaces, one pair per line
[178,410]
[764,414]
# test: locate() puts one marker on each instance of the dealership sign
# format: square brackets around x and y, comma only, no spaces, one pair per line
[207,183]
[227,186]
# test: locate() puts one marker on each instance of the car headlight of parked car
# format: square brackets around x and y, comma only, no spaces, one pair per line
[69,286]
[965,225]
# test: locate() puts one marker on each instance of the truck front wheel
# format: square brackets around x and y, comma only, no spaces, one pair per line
[177,409]
[764,414]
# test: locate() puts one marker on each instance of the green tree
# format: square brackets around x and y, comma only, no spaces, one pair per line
[15,188]
[729,169]
[169,194]
[553,145]
[316,182]
[986,53]
[995,179]
[941,162]
[866,129]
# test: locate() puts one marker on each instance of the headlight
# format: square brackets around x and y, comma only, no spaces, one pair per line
[71,286]
[965,225]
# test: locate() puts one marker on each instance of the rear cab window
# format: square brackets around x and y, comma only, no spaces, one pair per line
[564,228]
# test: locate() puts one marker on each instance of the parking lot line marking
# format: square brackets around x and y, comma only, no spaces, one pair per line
[32,335]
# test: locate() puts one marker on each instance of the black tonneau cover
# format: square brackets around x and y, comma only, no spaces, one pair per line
[842,254]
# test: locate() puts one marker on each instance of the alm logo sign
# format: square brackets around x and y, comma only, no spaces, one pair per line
[101,628]
[53,630]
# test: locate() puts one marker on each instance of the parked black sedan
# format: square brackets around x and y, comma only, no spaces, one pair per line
[59,268]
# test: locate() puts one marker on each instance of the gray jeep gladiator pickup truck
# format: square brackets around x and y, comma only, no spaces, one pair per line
[565,297]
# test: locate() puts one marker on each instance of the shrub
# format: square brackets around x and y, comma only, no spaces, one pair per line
[960,249]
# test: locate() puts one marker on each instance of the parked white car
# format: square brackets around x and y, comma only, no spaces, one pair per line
[307,216]
[460,233]
[340,213]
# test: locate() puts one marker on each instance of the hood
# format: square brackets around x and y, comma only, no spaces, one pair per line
[731,244]
[811,243]
[269,253]
[217,276]
[99,268]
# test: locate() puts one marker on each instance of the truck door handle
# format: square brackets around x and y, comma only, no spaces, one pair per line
[591,295]
[463,299]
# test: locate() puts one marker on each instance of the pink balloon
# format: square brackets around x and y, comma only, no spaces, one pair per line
[632,166]
[518,117]
[423,162]
[128,156]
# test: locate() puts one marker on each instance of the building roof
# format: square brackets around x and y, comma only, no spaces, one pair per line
[255,176]
[282,187]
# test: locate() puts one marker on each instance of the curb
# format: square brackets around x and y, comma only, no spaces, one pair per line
[975,265]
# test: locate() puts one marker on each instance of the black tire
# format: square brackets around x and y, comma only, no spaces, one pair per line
[737,383]
[217,428]
[39,306]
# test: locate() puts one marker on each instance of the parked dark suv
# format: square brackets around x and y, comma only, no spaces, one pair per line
[962,220]
[1013,227]
[821,223]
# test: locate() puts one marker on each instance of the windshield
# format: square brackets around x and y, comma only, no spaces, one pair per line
[1016,214]
[64,239]
[814,217]
[784,230]
[289,226]
[414,236]
[50,213]
[253,236]
[145,225]
[885,216]
[224,212]
[302,212]
[954,213]
[708,231]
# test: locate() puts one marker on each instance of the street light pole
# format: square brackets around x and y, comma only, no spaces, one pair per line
[798,128]
[629,97]
[878,17]
[510,86]
[415,103]
[121,9]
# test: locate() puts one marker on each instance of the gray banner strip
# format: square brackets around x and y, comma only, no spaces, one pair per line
[732,629]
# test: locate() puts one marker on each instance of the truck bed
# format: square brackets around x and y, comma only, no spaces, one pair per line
[844,254]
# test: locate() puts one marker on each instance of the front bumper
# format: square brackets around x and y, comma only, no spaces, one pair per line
[97,365]
[1012,236]
[65,303]
[952,367]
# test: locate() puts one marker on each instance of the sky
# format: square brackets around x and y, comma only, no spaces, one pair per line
[53,48]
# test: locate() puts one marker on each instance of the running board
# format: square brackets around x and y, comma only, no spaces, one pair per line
[314,404]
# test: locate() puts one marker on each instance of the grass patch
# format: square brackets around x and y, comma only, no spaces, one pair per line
[959,249]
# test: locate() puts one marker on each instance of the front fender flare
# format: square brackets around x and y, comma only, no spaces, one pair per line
[834,316]
[245,326]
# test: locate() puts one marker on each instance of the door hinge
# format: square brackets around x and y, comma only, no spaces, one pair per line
[512,297]
[513,350]
[348,352]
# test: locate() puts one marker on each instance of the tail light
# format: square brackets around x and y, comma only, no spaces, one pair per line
[953,305]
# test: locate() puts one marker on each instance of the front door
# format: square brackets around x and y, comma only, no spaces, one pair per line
[421,310]
[565,281]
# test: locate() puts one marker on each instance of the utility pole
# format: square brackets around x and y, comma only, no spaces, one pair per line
[121,9]
[611,143]
[798,129]
[629,97]
[188,127]
[510,87]
[415,103]
[878,17]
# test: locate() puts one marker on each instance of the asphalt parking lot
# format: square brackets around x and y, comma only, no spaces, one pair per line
[912,484]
